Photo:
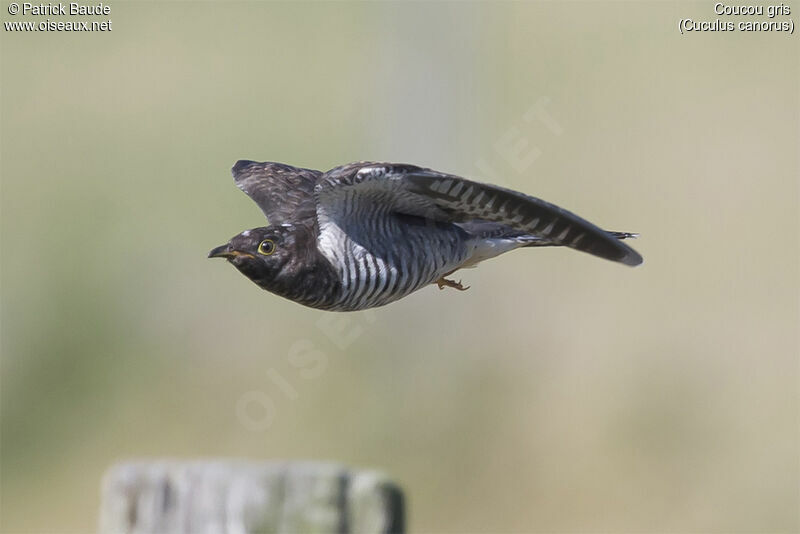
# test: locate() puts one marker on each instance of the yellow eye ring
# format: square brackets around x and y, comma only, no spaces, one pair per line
[266,247]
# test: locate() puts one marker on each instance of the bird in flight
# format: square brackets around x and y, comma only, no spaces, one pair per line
[366,234]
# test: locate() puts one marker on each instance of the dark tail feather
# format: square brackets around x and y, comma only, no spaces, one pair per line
[545,243]
[624,235]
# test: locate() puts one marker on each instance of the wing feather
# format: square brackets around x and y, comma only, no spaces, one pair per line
[448,198]
[284,193]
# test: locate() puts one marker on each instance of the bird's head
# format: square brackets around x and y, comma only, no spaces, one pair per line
[264,255]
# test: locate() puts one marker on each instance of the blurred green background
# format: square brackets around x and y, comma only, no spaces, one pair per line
[561,393]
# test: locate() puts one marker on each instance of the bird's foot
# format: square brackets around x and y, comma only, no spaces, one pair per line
[444,282]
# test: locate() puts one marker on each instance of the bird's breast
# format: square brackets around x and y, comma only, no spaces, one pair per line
[388,261]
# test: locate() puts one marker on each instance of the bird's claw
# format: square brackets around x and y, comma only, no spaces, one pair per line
[444,282]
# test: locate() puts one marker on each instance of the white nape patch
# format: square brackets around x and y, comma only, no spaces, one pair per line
[364,172]
[246,233]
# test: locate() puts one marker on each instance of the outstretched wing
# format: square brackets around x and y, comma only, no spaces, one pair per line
[446,198]
[284,193]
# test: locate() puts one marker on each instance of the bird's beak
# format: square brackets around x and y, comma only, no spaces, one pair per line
[221,252]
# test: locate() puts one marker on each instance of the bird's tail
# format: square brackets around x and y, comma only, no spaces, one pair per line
[538,242]
[624,235]
[492,240]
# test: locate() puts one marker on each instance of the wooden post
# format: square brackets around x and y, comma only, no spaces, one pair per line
[244,497]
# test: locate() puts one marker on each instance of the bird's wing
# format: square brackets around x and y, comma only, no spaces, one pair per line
[443,197]
[284,193]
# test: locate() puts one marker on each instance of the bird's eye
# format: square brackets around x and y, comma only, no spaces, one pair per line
[266,247]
